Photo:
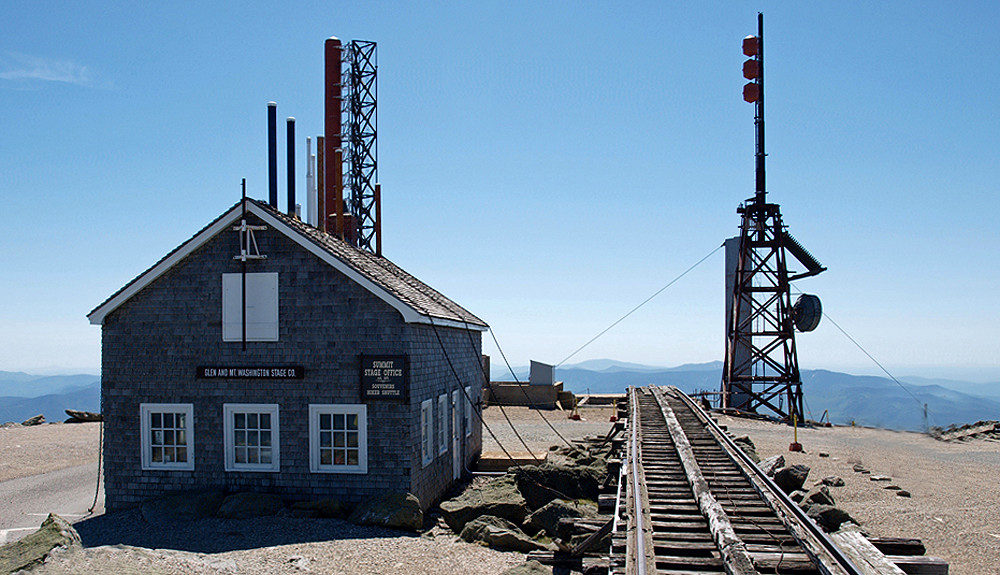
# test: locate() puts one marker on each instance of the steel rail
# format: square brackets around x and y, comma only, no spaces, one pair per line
[841,563]
[634,461]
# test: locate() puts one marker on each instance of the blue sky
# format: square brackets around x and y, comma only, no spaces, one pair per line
[548,165]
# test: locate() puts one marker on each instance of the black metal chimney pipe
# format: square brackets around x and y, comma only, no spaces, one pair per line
[272,154]
[291,166]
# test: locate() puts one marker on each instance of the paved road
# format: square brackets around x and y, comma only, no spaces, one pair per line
[26,502]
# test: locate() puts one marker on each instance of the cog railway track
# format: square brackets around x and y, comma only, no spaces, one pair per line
[691,502]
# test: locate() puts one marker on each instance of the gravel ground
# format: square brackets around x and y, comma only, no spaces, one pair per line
[534,430]
[26,451]
[125,543]
[954,506]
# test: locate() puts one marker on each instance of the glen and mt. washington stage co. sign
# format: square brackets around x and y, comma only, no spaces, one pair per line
[251,372]
[384,376]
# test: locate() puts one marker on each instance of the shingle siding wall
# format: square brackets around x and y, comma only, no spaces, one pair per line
[153,343]
[432,375]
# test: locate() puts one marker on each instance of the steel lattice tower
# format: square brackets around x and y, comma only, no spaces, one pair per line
[762,366]
[358,133]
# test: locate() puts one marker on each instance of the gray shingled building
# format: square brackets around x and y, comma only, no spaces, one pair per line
[332,373]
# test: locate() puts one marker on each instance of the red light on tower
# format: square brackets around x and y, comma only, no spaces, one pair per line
[752,68]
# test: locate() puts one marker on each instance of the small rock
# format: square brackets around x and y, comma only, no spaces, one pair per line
[529,568]
[36,420]
[393,510]
[892,487]
[879,478]
[831,481]
[819,495]
[823,454]
[797,496]
[829,517]
[247,505]
[746,444]
[792,478]
[903,493]
[772,464]
[326,508]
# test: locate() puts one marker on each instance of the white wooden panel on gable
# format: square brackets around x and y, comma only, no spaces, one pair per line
[262,307]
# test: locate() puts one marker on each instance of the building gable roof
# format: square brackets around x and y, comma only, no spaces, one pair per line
[415,300]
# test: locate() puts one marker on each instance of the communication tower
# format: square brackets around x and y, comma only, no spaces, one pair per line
[761,367]
[361,190]
[350,205]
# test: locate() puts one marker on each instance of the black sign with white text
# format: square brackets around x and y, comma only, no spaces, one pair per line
[251,372]
[384,376]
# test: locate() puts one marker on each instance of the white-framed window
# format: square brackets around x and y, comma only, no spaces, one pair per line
[467,420]
[167,434]
[427,431]
[262,307]
[251,436]
[442,427]
[338,440]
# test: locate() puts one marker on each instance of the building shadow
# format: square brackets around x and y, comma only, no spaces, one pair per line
[213,535]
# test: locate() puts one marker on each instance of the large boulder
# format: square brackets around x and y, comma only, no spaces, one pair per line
[547,518]
[792,478]
[499,533]
[247,505]
[33,549]
[183,506]
[499,498]
[828,517]
[393,510]
[540,484]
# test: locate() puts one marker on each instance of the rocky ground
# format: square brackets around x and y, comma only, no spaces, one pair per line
[953,506]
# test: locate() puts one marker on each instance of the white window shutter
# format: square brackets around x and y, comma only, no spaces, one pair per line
[262,307]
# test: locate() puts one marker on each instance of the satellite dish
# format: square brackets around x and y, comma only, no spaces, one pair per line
[806,312]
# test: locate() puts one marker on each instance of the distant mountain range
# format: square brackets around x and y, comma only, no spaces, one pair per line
[864,400]
[23,395]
